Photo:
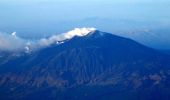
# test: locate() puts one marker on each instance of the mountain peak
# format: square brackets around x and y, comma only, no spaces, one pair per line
[79,32]
[96,33]
[66,36]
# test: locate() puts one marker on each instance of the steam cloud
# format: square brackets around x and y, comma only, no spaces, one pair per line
[11,42]
[14,43]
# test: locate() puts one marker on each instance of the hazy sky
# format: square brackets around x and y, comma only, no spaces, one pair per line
[57,10]
[36,17]
[43,13]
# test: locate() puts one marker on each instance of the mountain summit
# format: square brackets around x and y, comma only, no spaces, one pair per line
[96,65]
[66,36]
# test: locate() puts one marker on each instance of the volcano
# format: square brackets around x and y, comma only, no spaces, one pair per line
[96,66]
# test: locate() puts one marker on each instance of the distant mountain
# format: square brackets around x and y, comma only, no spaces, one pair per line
[97,66]
[150,37]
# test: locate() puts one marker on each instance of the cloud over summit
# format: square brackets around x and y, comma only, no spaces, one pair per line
[14,43]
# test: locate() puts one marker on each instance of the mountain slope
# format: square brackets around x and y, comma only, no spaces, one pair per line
[100,65]
[165,51]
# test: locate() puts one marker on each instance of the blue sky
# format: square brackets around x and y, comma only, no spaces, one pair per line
[36,17]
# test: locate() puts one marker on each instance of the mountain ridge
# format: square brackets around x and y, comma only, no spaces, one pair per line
[93,61]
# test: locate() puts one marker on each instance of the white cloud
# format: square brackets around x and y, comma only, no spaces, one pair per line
[65,36]
[11,42]
[14,43]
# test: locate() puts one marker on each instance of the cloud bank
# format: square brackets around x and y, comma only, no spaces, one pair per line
[11,42]
[65,36]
